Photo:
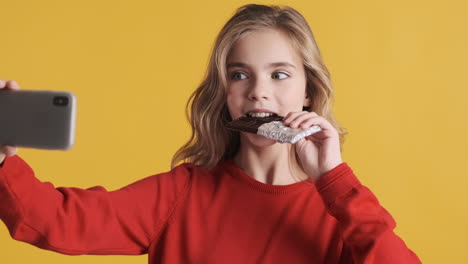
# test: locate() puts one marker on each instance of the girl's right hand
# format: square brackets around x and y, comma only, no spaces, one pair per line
[6,150]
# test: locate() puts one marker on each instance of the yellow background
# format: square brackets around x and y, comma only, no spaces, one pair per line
[399,69]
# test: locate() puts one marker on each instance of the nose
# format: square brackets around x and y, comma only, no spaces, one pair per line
[258,90]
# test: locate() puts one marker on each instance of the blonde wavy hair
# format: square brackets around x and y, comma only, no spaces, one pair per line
[211,143]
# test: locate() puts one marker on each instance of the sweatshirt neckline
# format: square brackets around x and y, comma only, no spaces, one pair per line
[241,175]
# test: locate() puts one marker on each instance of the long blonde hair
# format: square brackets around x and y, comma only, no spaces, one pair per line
[211,143]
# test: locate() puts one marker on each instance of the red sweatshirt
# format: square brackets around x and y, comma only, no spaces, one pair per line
[193,215]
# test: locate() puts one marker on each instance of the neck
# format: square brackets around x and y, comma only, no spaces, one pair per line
[273,164]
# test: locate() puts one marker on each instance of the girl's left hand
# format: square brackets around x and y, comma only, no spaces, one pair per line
[320,152]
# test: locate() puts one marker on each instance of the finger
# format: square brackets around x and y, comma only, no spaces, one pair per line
[291,116]
[2,83]
[2,150]
[301,118]
[327,130]
[310,122]
[13,85]
[10,150]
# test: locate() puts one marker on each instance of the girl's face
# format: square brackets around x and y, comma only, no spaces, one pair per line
[265,74]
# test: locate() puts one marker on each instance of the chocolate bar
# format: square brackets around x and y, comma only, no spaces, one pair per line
[271,127]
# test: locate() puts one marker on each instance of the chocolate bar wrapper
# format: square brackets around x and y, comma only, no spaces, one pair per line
[284,134]
[271,127]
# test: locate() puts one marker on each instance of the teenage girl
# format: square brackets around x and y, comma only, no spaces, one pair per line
[230,197]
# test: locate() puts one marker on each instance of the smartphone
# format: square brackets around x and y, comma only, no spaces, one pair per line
[37,119]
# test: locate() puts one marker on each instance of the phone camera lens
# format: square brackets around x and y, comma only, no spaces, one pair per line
[61,100]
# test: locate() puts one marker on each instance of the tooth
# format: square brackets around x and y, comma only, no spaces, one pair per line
[259,114]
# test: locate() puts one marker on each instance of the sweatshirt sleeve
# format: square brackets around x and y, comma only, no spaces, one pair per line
[366,227]
[91,221]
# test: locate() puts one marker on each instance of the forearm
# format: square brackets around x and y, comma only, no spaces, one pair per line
[71,220]
[366,227]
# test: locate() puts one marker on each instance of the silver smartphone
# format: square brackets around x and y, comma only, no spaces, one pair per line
[37,119]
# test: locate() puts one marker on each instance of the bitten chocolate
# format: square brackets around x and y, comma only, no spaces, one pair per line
[271,127]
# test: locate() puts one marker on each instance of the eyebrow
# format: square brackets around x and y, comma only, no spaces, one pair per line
[271,65]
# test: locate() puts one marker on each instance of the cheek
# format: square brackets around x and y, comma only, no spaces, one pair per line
[234,93]
[233,104]
[291,93]
[291,101]
[230,99]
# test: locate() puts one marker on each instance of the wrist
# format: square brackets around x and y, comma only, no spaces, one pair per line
[330,166]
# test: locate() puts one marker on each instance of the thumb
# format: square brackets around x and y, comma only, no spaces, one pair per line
[9,150]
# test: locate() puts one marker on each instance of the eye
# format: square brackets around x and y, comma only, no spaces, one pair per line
[277,75]
[237,76]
